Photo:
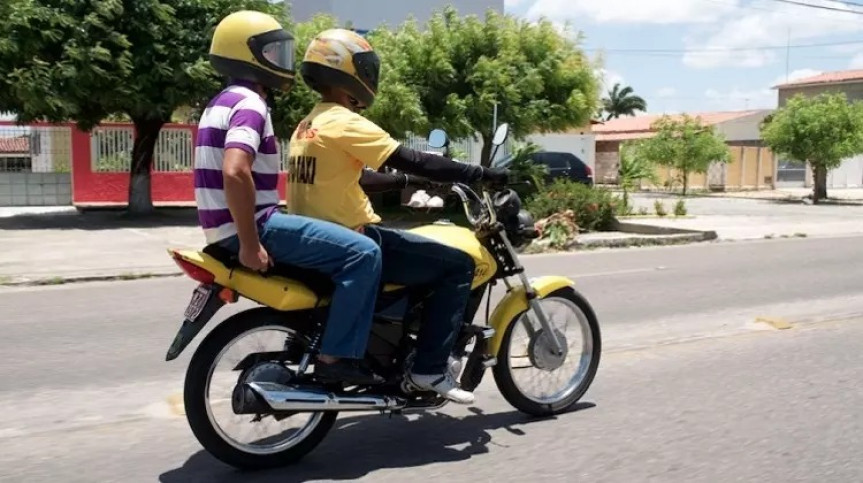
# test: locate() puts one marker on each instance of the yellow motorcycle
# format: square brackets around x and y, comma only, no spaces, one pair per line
[542,332]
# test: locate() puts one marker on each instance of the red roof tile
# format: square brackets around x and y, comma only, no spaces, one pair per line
[827,78]
[15,145]
[636,127]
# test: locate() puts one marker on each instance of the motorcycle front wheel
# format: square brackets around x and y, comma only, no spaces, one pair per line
[208,389]
[526,360]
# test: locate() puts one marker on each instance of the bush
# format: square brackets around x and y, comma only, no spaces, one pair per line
[659,208]
[680,208]
[593,208]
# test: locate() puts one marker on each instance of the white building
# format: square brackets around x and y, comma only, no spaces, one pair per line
[366,15]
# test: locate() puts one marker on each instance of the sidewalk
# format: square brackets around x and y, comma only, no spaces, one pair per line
[51,247]
[69,245]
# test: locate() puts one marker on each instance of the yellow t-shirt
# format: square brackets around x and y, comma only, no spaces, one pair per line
[328,152]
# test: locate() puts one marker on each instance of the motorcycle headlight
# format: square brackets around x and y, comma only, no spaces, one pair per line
[507,205]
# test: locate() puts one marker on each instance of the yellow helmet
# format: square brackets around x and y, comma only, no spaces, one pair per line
[344,60]
[253,46]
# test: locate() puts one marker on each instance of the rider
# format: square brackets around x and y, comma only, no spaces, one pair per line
[236,173]
[329,150]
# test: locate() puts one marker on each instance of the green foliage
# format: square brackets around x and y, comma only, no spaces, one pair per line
[685,145]
[659,208]
[622,102]
[680,208]
[594,207]
[634,167]
[87,60]
[558,229]
[523,169]
[459,66]
[822,130]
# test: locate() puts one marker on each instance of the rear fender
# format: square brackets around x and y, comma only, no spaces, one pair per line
[514,303]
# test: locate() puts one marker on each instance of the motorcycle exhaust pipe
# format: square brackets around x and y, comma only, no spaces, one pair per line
[264,397]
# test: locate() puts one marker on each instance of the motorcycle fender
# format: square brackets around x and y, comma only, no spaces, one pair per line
[515,302]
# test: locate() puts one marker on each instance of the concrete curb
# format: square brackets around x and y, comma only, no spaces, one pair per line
[67,279]
[644,229]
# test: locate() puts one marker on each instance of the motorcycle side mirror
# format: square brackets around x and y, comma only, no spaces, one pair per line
[500,134]
[437,138]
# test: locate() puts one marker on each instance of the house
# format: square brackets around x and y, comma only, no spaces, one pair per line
[752,165]
[14,154]
[796,174]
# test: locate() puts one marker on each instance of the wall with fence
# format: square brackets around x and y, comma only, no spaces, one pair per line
[54,164]
[35,165]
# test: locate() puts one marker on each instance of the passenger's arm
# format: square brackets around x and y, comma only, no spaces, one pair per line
[245,131]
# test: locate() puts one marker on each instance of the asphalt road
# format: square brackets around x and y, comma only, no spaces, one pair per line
[690,388]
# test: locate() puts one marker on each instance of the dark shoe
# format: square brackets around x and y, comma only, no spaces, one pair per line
[348,371]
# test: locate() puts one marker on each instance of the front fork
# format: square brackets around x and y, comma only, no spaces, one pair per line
[532,299]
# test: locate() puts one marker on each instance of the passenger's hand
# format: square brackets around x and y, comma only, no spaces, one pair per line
[255,257]
[496,176]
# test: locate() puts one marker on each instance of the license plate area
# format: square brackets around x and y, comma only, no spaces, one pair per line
[199,300]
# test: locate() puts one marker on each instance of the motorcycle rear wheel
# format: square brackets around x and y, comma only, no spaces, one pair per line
[540,360]
[199,414]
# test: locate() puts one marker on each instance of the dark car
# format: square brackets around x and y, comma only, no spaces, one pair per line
[559,165]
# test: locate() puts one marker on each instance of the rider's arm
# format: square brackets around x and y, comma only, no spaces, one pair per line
[245,130]
[375,182]
[367,142]
[433,166]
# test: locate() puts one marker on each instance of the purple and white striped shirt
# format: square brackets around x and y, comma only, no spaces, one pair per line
[237,117]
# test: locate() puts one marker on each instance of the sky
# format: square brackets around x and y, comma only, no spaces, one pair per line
[708,55]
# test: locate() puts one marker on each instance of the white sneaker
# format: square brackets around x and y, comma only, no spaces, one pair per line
[419,199]
[435,202]
[443,384]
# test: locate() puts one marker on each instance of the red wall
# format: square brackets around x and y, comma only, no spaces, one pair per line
[91,189]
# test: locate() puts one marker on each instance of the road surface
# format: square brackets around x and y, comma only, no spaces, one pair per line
[690,387]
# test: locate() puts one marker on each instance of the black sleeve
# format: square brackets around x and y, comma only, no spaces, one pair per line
[375,182]
[431,166]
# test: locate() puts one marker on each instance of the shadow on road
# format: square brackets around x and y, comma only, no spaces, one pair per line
[361,445]
[100,220]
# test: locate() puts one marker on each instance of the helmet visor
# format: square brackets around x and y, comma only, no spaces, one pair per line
[280,54]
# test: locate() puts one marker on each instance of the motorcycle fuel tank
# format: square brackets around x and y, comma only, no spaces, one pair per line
[465,240]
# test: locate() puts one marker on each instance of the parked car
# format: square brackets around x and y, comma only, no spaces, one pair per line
[559,165]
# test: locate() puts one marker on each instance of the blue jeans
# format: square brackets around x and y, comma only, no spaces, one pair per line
[413,260]
[351,259]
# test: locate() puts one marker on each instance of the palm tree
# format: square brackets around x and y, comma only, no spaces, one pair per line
[622,102]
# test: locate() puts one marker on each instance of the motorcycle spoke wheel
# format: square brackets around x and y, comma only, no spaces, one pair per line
[533,377]
[250,433]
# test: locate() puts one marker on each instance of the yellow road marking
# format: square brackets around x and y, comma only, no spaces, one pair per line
[775,322]
[175,402]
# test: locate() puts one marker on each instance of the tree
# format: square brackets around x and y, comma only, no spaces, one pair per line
[622,102]
[821,130]
[634,167]
[86,60]
[686,145]
[460,66]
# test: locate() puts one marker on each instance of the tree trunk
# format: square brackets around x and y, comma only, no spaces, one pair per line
[685,182]
[485,156]
[140,195]
[819,190]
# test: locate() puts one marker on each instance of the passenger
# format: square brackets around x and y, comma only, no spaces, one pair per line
[236,174]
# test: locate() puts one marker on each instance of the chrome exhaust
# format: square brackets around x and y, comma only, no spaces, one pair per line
[282,398]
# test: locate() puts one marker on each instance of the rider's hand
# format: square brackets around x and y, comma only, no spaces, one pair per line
[496,176]
[255,257]
[417,181]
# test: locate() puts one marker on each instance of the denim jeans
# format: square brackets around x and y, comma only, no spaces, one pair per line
[351,259]
[413,260]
